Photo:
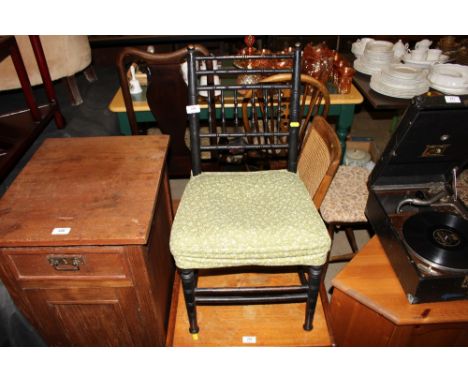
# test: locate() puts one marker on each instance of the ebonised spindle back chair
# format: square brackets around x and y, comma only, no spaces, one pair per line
[233,220]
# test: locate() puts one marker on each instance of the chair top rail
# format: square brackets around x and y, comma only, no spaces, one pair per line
[244,87]
[246,146]
[253,134]
[203,72]
[246,57]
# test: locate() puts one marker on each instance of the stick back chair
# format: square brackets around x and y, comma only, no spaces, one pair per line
[314,100]
[227,221]
[166,93]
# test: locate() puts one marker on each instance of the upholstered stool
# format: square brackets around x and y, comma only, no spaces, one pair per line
[65,56]
[265,228]
[344,204]
[463,187]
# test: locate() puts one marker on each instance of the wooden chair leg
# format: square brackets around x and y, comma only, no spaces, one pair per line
[73,90]
[46,79]
[189,278]
[331,230]
[90,74]
[370,230]
[351,239]
[313,280]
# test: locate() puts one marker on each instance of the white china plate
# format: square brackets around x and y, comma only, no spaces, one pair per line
[405,85]
[369,69]
[404,77]
[379,46]
[424,64]
[455,76]
[449,91]
[363,68]
[451,70]
[404,71]
[391,91]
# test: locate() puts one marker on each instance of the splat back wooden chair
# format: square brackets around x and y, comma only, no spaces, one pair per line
[314,100]
[166,93]
[227,221]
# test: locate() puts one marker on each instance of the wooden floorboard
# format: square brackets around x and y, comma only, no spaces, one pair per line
[247,325]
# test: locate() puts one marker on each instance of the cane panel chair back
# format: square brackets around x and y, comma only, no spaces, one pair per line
[166,94]
[319,158]
[232,220]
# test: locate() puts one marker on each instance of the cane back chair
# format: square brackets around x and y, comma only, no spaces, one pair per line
[265,219]
[166,94]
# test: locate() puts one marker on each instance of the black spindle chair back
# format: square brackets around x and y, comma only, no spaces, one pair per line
[225,131]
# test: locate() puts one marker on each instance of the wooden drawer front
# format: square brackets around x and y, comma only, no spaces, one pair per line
[70,265]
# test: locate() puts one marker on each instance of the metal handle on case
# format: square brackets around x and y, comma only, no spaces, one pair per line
[66,263]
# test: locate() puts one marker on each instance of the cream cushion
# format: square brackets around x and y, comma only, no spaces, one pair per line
[65,56]
[346,197]
[247,218]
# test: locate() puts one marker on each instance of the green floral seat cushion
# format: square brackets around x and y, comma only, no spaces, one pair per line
[247,218]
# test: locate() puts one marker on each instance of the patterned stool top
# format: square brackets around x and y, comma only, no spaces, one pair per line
[463,187]
[347,196]
[231,219]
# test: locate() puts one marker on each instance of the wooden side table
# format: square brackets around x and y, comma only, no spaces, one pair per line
[84,241]
[369,308]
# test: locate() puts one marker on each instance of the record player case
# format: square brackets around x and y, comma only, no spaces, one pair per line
[413,203]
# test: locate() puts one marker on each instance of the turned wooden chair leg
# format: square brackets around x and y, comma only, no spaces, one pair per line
[313,280]
[90,74]
[188,277]
[73,90]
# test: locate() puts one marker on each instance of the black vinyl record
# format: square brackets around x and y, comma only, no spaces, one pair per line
[440,238]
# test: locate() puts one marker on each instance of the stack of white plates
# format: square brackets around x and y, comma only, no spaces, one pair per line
[424,63]
[377,55]
[449,78]
[400,81]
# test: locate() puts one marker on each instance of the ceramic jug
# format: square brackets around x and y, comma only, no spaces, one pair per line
[423,44]
[399,49]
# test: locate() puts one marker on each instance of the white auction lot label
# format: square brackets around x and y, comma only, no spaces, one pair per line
[249,339]
[61,231]
[192,109]
[452,99]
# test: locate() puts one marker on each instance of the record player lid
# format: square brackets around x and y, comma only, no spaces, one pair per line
[430,140]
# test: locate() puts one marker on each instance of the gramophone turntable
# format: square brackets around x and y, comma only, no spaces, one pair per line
[414,201]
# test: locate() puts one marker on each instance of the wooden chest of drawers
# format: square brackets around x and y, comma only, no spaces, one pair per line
[84,241]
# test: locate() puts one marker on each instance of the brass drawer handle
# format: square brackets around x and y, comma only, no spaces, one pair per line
[66,263]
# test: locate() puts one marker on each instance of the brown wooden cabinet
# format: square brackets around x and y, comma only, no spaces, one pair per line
[369,308]
[84,235]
